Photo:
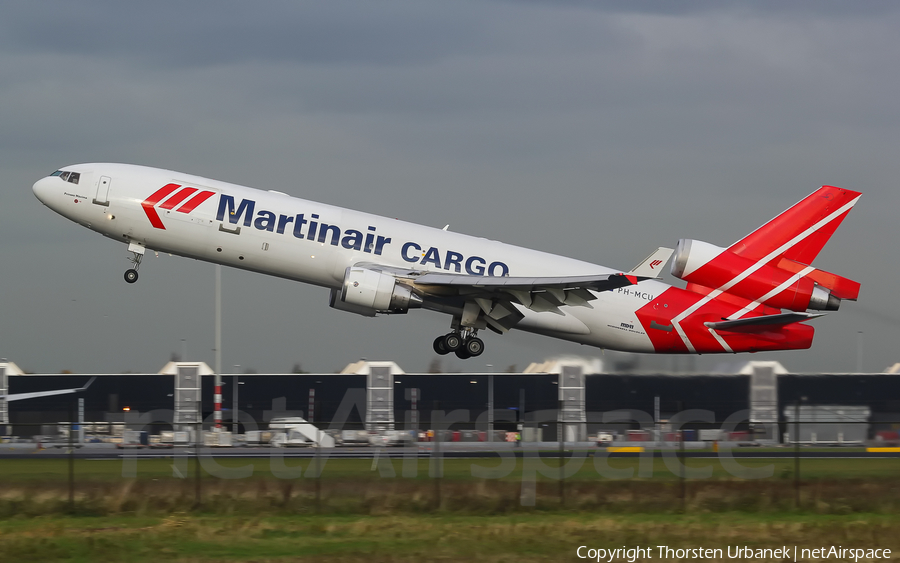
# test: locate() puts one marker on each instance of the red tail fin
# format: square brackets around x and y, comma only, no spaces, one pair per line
[770,265]
[793,239]
[800,233]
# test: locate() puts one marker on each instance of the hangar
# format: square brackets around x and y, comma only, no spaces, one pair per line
[573,391]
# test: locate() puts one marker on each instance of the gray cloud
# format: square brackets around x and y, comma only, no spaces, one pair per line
[176,35]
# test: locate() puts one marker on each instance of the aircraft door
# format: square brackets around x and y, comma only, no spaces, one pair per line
[102,195]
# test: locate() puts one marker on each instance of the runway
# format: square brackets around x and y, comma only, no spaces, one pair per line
[474,450]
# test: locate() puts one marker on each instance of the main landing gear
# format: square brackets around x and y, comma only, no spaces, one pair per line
[463,343]
[137,250]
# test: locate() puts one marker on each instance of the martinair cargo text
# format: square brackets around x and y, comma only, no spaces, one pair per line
[754,295]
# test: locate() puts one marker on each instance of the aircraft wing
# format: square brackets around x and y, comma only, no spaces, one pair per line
[539,294]
[603,282]
[490,299]
[36,394]
[560,287]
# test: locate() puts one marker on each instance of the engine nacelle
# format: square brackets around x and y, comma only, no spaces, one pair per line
[367,292]
[690,255]
[713,266]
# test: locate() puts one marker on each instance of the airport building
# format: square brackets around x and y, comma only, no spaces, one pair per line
[570,393]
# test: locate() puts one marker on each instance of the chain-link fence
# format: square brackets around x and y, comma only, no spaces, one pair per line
[453,459]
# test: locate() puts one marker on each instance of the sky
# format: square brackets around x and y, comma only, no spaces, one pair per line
[596,130]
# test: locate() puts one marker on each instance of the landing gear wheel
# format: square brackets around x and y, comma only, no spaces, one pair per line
[462,353]
[439,346]
[474,346]
[452,342]
[137,252]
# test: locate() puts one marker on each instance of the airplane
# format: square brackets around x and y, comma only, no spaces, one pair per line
[755,295]
[54,392]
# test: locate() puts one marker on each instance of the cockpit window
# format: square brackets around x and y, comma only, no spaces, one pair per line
[71,177]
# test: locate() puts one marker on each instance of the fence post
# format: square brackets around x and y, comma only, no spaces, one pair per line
[562,444]
[681,470]
[797,453]
[318,462]
[71,459]
[436,418]
[198,442]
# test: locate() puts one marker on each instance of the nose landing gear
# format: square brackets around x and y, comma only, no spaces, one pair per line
[137,250]
[463,343]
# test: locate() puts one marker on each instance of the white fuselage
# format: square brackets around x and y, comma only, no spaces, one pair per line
[276,234]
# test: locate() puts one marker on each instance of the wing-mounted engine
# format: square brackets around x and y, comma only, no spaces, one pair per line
[368,292]
[778,282]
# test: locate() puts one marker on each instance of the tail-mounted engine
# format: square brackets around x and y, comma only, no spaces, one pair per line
[780,283]
[368,292]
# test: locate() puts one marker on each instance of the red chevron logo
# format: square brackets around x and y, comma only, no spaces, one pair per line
[654,264]
[182,194]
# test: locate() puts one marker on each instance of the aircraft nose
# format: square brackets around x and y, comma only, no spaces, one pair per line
[43,189]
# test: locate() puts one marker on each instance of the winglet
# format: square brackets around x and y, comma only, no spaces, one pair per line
[653,264]
[88,384]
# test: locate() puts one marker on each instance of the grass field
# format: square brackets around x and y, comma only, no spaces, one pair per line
[23,470]
[518,538]
[353,512]
[354,486]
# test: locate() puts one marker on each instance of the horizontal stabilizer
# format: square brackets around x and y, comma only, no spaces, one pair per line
[840,287]
[653,264]
[754,324]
